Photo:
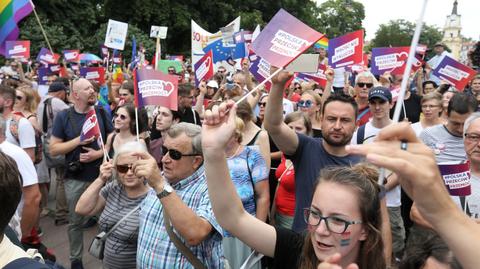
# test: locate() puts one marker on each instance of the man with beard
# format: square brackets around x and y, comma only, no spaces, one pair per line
[310,155]
[83,158]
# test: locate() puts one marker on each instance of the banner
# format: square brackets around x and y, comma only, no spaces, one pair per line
[71,56]
[43,75]
[393,60]
[456,178]
[90,127]
[93,73]
[319,77]
[283,39]
[346,50]
[54,68]
[153,87]
[204,68]
[178,58]
[453,72]
[45,56]
[221,52]
[116,34]
[19,49]
[158,32]
[201,38]
[260,69]
[163,66]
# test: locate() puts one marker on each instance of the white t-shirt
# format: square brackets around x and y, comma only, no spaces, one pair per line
[29,177]
[417,127]
[473,200]
[287,107]
[26,134]
[394,195]
[10,252]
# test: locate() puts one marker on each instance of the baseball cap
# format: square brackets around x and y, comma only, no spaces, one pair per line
[380,92]
[56,87]
[212,84]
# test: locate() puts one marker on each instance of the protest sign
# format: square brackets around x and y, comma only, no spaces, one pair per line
[201,38]
[153,87]
[242,37]
[45,56]
[260,69]
[318,77]
[346,50]
[54,68]
[43,75]
[163,66]
[116,35]
[71,56]
[178,58]
[305,63]
[90,127]
[93,73]
[104,51]
[391,60]
[283,39]
[456,178]
[204,68]
[158,32]
[19,49]
[222,52]
[453,72]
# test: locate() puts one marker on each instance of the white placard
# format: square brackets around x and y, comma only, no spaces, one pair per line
[158,32]
[116,34]
[305,63]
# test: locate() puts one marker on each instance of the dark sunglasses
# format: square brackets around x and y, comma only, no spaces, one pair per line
[123,168]
[175,154]
[122,117]
[171,71]
[361,84]
[307,103]
[19,98]
[262,104]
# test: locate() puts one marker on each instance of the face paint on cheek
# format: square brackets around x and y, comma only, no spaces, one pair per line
[345,239]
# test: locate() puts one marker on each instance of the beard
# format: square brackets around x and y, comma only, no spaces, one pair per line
[338,143]
[91,102]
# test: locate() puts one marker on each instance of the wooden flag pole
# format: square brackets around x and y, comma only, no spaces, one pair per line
[136,124]
[41,26]
[259,85]
[157,53]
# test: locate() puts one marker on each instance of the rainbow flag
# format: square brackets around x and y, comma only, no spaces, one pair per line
[11,12]
[322,43]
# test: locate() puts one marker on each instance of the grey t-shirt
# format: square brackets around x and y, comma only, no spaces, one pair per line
[121,245]
[446,146]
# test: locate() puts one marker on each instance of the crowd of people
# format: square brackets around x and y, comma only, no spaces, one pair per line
[291,172]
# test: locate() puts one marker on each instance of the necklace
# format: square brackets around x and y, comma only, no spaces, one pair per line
[235,153]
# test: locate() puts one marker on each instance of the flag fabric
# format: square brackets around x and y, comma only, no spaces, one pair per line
[346,50]
[221,52]
[117,57]
[11,13]
[117,75]
[93,73]
[178,58]
[393,60]
[456,178]
[284,39]
[17,49]
[204,68]
[322,43]
[103,98]
[54,68]
[71,56]
[453,72]
[45,56]
[260,69]
[319,77]
[152,87]
[242,37]
[43,75]
[90,127]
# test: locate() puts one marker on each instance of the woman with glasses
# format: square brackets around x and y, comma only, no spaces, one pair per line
[26,105]
[311,104]
[125,129]
[115,200]
[344,216]
[432,110]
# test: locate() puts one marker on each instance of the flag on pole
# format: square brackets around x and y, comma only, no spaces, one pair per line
[454,73]
[153,87]
[393,60]
[204,68]
[18,49]
[71,55]
[346,50]
[12,12]
[456,178]
[284,39]
[322,43]
[90,127]
[222,52]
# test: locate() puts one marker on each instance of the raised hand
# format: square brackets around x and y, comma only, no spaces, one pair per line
[146,167]
[333,261]
[106,170]
[218,126]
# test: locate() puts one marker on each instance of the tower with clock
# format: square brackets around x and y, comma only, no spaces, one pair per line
[452,32]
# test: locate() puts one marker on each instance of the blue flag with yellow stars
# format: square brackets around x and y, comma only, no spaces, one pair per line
[223,53]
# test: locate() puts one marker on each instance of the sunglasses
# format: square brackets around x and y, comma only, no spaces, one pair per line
[262,104]
[307,103]
[123,168]
[122,117]
[361,85]
[171,71]
[19,98]
[175,154]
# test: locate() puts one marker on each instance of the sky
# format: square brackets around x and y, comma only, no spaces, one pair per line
[382,11]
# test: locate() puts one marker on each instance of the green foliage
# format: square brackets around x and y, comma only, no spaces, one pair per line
[338,17]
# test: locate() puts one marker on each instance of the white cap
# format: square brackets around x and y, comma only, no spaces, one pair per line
[212,84]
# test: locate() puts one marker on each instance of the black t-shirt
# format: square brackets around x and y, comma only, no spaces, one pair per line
[288,248]
[190,115]
[413,106]
[68,129]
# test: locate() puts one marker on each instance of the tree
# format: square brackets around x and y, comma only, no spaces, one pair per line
[398,33]
[338,17]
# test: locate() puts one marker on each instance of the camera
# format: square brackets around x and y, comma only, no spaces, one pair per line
[75,167]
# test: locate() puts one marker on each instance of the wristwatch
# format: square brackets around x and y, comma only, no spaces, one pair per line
[167,190]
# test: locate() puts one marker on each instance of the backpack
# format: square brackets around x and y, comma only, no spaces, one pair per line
[38,138]
[59,160]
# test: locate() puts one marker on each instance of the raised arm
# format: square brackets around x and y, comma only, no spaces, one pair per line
[285,138]
[218,127]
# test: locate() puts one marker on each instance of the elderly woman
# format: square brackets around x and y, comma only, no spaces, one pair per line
[115,200]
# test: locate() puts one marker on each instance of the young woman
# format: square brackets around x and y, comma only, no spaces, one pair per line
[115,200]
[125,129]
[311,104]
[26,105]
[344,216]
[432,110]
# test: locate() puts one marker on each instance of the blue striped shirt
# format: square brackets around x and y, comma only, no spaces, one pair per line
[156,250]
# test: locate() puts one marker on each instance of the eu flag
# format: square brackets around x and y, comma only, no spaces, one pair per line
[223,53]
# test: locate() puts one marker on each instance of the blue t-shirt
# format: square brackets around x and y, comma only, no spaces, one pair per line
[308,160]
[65,129]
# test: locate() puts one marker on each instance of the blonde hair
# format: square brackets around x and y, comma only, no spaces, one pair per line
[31,98]
[239,127]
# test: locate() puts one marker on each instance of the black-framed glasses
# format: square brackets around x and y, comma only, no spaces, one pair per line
[362,84]
[472,137]
[305,103]
[123,168]
[334,224]
[175,154]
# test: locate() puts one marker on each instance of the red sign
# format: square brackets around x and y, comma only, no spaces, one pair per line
[19,49]
[346,50]
[71,55]
[204,68]
[93,73]
[153,87]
